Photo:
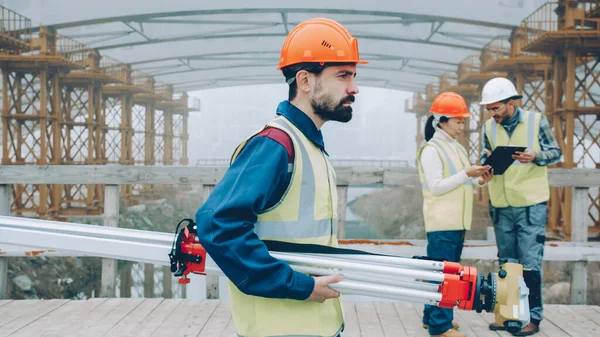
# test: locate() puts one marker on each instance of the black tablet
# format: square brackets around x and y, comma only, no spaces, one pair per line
[502,158]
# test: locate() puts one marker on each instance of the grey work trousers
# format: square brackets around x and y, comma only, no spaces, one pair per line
[520,236]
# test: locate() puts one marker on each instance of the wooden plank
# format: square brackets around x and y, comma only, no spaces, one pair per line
[574,177]
[183,316]
[45,323]
[351,326]
[587,312]
[551,329]
[464,326]
[60,321]
[229,329]
[590,325]
[87,320]
[368,320]
[194,319]
[570,322]
[211,175]
[110,174]
[391,324]
[14,310]
[410,319]
[218,321]
[401,177]
[142,317]
[356,175]
[41,308]
[134,317]
[151,322]
[475,322]
[112,318]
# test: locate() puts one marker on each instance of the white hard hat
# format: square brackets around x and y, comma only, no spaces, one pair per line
[498,89]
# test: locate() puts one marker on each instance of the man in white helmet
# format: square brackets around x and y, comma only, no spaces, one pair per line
[518,198]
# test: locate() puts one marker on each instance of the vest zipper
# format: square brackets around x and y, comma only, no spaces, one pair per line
[509,143]
[339,304]
[330,198]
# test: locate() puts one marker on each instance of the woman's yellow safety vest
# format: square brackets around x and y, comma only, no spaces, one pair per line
[521,184]
[452,210]
[307,213]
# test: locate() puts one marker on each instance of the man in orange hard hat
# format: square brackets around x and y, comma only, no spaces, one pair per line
[280,186]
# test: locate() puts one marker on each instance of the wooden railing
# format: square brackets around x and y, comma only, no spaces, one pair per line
[15,26]
[580,252]
[337,162]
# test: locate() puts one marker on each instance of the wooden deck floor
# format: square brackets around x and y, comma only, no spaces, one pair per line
[211,318]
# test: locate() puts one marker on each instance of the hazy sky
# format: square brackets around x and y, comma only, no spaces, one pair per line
[379,129]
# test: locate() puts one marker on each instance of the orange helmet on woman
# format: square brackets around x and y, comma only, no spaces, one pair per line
[321,41]
[450,104]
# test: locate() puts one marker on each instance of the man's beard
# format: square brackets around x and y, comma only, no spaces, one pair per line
[326,108]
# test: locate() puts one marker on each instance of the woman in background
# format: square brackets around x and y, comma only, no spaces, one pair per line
[447,180]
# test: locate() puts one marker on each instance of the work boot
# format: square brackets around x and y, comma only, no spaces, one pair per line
[452,333]
[495,327]
[528,330]
[454,325]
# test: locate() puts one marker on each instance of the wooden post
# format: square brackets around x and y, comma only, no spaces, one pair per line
[212,281]
[579,233]
[111,219]
[126,281]
[4,210]
[167,282]
[342,192]
[148,280]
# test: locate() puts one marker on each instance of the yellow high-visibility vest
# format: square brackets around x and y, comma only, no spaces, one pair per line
[307,213]
[521,184]
[452,210]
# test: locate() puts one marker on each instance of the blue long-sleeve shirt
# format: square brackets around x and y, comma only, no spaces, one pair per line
[255,181]
[550,153]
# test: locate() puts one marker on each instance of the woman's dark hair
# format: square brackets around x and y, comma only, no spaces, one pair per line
[430,128]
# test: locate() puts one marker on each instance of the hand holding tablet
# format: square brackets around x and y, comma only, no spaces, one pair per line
[504,156]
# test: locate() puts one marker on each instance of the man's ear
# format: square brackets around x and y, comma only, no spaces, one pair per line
[303,81]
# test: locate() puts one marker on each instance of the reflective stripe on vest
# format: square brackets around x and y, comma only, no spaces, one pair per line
[452,210]
[522,184]
[305,214]
[306,226]
[450,163]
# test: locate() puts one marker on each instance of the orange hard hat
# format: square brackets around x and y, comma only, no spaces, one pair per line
[319,40]
[450,104]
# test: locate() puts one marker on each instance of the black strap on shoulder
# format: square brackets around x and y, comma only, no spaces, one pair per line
[288,247]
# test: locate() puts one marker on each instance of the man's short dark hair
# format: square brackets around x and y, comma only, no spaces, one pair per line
[316,68]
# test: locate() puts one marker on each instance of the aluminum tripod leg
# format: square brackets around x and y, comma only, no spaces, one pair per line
[153,247]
